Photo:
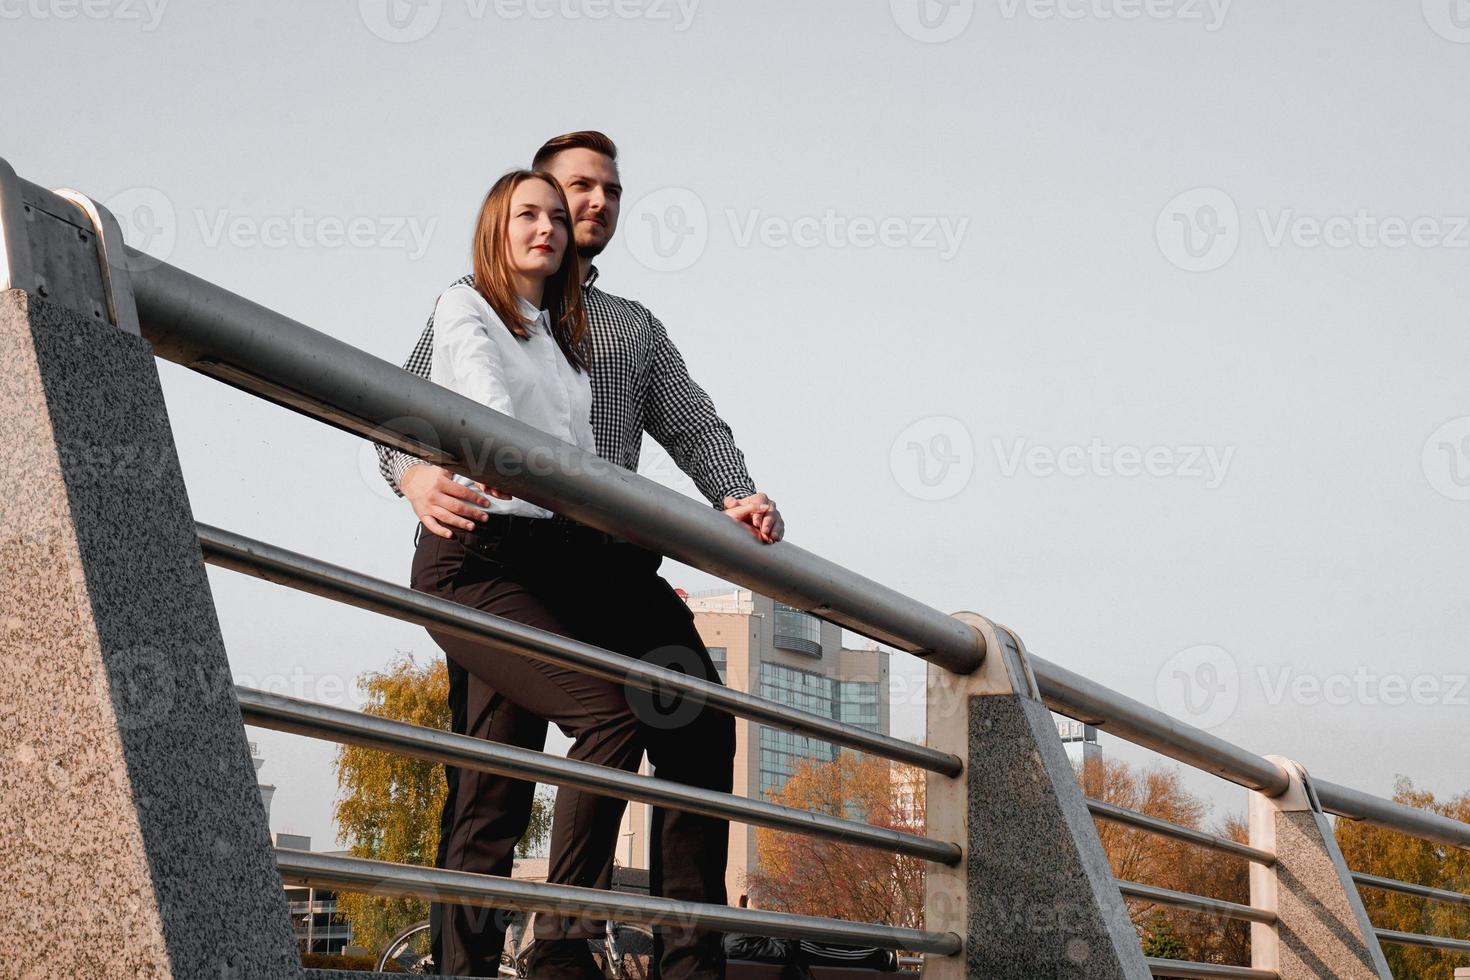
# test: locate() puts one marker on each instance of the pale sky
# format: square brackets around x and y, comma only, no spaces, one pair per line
[1137,325]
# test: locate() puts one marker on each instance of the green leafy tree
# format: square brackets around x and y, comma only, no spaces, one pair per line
[1389,854]
[388,805]
[1161,941]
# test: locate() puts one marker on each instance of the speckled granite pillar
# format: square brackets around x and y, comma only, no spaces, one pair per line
[1036,899]
[132,838]
[1322,929]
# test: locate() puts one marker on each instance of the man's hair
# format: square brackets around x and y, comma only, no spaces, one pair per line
[586,139]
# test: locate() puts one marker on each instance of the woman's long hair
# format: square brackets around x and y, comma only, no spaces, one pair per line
[563,295]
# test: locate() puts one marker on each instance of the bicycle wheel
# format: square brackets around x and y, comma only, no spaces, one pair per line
[632,948]
[408,952]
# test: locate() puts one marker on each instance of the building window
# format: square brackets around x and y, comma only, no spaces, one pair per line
[780,750]
[797,631]
[857,703]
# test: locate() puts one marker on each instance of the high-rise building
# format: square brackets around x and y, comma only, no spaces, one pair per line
[768,648]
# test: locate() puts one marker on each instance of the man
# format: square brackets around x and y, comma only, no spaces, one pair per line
[639,383]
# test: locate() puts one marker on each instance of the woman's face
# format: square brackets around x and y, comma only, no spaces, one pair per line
[536,236]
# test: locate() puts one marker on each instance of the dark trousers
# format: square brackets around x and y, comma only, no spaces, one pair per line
[609,595]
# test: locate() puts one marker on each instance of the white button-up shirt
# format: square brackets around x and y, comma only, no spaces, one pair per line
[530,380]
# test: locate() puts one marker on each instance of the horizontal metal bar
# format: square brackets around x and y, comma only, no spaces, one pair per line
[238,553]
[1197,903]
[1075,696]
[212,330]
[1415,939]
[1409,888]
[1123,815]
[286,714]
[458,887]
[1424,824]
[1184,968]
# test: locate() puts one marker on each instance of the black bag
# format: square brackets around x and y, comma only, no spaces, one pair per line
[797,955]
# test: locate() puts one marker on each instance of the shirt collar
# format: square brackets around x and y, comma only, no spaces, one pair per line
[591,276]
[529,311]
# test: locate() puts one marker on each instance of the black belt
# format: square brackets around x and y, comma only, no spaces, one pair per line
[511,528]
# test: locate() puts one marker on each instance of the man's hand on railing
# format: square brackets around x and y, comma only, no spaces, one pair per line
[439,501]
[758,512]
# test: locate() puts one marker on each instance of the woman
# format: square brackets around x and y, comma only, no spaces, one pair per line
[514,337]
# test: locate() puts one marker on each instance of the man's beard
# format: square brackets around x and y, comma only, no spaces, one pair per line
[591,250]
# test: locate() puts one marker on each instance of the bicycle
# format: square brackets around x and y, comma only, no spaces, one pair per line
[625,952]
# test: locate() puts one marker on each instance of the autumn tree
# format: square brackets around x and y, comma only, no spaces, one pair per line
[388,805]
[1389,854]
[819,876]
[1142,856]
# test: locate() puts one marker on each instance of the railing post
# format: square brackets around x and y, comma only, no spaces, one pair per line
[134,841]
[1321,929]
[1035,897]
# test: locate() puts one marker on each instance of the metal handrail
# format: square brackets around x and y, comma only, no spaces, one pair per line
[287,714]
[1166,828]
[1423,824]
[1077,697]
[207,328]
[226,549]
[212,330]
[1205,971]
[1409,888]
[462,887]
[1415,939]
[1197,903]
[1087,701]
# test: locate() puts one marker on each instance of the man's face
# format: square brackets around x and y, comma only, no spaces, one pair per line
[590,181]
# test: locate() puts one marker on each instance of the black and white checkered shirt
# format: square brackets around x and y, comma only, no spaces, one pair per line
[639,382]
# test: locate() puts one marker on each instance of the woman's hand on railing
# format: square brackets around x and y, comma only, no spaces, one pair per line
[439,501]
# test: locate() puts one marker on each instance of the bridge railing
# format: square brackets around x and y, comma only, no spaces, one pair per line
[1009,831]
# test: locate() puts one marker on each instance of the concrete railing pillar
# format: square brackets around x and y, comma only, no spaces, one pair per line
[135,842]
[1321,929]
[1034,897]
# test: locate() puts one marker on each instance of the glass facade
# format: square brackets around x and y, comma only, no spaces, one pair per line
[314,920]
[797,631]
[717,656]
[855,702]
